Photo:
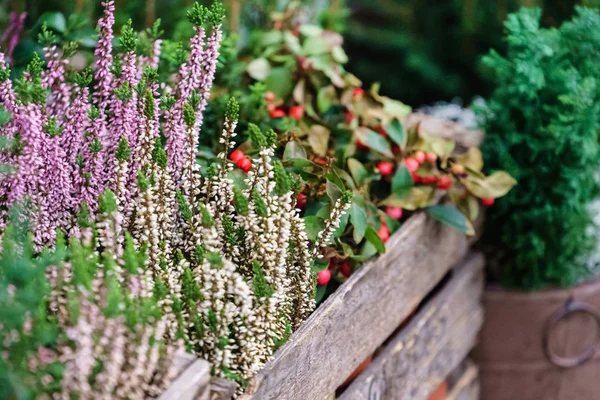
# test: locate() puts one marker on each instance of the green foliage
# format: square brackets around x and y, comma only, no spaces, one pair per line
[189,115]
[262,289]
[542,125]
[123,150]
[30,89]
[84,78]
[128,38]
[240,202]
[184,207]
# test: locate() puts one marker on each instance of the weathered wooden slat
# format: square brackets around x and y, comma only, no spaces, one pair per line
[364,312]
[182,361]
[191,384]
[434,343]
[465,386]
[222,389]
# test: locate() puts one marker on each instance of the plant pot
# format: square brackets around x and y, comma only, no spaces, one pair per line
[540,345]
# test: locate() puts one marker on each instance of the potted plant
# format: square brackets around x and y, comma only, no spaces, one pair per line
[542,121]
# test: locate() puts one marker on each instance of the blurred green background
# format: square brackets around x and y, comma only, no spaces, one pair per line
[422,51]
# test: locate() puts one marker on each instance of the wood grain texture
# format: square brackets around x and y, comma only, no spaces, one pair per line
[222,389]
[465,386]
[361,315]
[422,355]
[191,384]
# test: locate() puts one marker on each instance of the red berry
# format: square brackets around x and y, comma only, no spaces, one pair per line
[270,97]
[431,157]
[349,117]
[323,277]
[487,201]
[331,264]
[244,164]
[395,149]
[385,167]
[420,157]
[411,164]
[426,180]
[416,178]
[296,112]
[301,202]
[271,107]
[277,113]
[394,212]
[384,233]
[444,182]
[346,270]
[236,156]
[361,146]
[358,92]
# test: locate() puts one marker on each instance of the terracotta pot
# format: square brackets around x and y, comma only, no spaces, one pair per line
[540,345]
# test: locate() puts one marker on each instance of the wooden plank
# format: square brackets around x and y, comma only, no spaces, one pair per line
[362,313]
[434,343]
[182,361]
[465,386]
[191,384]
[222,389]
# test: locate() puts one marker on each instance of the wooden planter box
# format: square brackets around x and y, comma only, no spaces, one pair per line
[416,309]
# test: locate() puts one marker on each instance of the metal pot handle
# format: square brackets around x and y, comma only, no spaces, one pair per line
[569,307]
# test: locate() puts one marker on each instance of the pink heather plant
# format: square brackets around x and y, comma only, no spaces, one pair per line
[230,264]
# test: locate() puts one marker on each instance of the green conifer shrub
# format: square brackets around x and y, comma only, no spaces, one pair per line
[541,125]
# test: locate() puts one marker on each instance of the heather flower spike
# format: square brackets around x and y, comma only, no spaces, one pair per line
[223,268]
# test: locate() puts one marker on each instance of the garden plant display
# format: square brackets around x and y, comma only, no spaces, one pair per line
[160,254]
[339,136]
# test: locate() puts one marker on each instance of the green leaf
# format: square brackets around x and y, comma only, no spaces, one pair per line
[318,138]
[358,217]
[374,140]
[315,45]
[310,30]
[339,55]
[293,150]
[392,224]
[321,290]
[271,38]
[5,116]
[259,69]
[494,186]
[313,225]
[402,181]
[333,191]
[326,98]
[55,21]
[416,197]
[472,159]
[451,216]
[373,238]
[367,251]
[339,231]
[319,265]
[358,171]
[280,82]
[396,132]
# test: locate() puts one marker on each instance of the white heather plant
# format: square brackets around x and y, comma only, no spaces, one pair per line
[228,265]
[80,321]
